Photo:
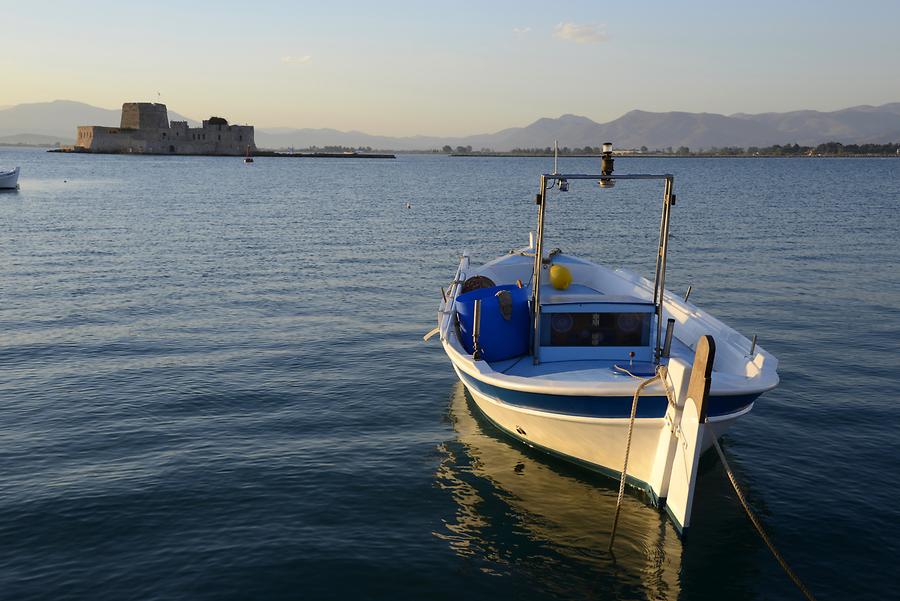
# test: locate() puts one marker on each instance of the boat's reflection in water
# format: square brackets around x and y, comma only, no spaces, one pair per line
[525,514]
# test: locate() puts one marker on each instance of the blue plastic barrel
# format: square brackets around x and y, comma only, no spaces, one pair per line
[500,338]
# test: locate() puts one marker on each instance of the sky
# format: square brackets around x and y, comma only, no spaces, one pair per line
[450,68]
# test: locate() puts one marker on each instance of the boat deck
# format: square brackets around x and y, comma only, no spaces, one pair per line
[583,370]
[598,289]
[586,370]
[598,372]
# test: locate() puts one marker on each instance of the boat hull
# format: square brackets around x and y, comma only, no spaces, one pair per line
[597,443]
[9,180]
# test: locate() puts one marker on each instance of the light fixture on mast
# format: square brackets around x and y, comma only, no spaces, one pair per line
[606,165]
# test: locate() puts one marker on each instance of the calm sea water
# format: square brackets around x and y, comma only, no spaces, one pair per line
[214,386]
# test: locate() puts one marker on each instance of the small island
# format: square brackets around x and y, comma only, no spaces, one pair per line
[145,129]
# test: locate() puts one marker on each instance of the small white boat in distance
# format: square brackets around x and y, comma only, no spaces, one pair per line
[248,158]
[9,180]
[596,365]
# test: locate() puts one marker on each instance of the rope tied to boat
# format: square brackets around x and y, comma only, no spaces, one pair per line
[634,402]
[662,376]
[759,528]
[667,386]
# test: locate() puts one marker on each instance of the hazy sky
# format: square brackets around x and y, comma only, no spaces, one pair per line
[450,68]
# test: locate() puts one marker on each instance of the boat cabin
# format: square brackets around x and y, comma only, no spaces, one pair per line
[580,323]
[577,323]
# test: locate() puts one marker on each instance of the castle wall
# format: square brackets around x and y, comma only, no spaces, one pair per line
[215,137]
[221,139]
[109,139]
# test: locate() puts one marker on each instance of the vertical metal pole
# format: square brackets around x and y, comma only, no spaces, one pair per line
[664,250]
[555,156]
[670,329]
[662,221]
[536,277]
[476,331]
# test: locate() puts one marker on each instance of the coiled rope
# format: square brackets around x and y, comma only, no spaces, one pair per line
[759,528]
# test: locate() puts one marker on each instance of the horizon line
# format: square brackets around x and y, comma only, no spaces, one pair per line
[420,135]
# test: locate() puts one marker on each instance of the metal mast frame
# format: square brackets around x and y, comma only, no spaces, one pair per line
[662,253]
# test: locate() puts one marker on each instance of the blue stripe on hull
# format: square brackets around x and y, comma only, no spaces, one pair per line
[594,467]
[599,406]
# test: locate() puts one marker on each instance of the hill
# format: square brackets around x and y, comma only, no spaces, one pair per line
[56,121]
[637,128]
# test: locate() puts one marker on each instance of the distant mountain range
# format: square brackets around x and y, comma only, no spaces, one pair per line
[56,121]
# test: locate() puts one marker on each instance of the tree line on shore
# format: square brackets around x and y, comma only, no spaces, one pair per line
[826,149]
[315,148]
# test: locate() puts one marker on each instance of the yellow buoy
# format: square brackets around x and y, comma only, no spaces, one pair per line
[560,276]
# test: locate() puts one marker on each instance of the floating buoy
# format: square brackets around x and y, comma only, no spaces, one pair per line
[560,276]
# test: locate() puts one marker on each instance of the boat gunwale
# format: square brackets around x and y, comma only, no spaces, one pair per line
[738,385]
[482,371]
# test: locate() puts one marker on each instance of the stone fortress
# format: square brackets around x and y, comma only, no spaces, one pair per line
[145,129]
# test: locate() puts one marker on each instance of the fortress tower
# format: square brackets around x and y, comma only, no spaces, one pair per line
[144,115]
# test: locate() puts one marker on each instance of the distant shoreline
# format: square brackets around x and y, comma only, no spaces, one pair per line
[501,155]
[324,155]
[258,153]
[22,145]
[393,154]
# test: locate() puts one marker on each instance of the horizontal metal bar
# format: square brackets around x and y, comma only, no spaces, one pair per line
[598,176]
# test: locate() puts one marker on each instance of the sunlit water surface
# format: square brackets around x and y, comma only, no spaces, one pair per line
[214,384]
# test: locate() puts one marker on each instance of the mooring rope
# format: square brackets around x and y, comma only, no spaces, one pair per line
[634,402]
[661,376]
[758,525]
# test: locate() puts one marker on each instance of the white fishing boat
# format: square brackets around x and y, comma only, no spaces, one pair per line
[9,180]
[599,365]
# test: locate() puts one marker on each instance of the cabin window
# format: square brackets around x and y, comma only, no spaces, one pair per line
[595,329]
